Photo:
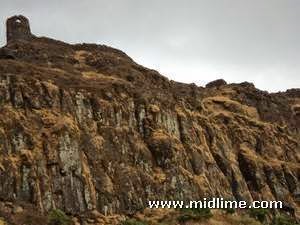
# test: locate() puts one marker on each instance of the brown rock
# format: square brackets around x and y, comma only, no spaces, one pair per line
[17,209]
[75,134]
[216,83]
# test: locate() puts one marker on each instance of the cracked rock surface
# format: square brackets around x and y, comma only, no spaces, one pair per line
[83,127]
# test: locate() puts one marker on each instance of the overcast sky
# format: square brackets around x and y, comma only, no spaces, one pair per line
[186,40]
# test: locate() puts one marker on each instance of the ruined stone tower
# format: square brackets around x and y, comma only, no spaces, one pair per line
[18,28]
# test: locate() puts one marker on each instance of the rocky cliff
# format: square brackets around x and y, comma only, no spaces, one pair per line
[83,127]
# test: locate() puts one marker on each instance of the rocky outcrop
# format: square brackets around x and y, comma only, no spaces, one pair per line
[216,83]
[83,128]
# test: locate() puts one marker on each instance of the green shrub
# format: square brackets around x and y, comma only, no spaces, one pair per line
[229,210]
[58,217]
[259,214]
[133,222]
[245,220]
[283,220]
[196,214]
[185,217]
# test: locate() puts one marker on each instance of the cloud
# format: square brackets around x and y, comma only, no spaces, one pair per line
[189,41]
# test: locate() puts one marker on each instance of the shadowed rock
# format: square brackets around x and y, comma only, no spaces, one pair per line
[18,28]
[216,83]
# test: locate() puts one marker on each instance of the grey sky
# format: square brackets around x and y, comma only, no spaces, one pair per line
[186,40]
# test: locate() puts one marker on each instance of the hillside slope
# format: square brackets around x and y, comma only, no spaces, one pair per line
[83,127]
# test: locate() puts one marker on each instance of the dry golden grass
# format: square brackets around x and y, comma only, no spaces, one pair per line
[27,155]
[158,175]
[57,71]
[51,119]
[92,75]
[1,167]
[65,122]
[160,135]
[202,182]
[81,55]
[250,153]
[2,222]
[186,173]
[154,108]
[48,117]
[10,114]
[86,173]
[50,86]
[14,162]
[97,141]
[221,103]
[276,163]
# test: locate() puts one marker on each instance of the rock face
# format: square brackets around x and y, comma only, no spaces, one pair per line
[83,127]
[216,83]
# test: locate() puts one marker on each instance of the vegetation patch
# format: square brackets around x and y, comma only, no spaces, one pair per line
[284,220]
[259,214]
[194,214]
[58,217]
[133,222]
[229,210]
